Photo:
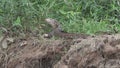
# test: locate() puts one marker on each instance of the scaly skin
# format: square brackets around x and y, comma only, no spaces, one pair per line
[57,31]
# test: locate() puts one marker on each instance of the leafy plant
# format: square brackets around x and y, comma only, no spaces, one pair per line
[17,22]
[76,16]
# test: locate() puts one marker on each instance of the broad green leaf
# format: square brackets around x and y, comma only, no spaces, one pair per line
[17,22]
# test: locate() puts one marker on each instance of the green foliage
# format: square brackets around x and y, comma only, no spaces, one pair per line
[86,16]
[17,22]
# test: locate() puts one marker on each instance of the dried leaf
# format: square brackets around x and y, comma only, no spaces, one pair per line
[4,29]
[23,43]
[4,44]
[10,39]
[1,38]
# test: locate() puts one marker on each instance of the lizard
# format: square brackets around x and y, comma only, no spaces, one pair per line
[57,31]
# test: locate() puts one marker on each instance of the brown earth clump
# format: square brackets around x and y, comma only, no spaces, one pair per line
[97,52]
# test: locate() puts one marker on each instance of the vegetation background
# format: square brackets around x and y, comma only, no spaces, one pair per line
[76,16]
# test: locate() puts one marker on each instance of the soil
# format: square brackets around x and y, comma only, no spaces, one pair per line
[101,51]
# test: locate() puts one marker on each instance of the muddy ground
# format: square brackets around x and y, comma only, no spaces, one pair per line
[101,51]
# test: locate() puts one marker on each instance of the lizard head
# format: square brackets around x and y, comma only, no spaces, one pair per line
[54,23]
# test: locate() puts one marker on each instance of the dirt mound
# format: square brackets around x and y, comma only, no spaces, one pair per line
[97,52]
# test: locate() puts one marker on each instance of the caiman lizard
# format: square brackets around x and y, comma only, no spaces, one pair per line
[57,31]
